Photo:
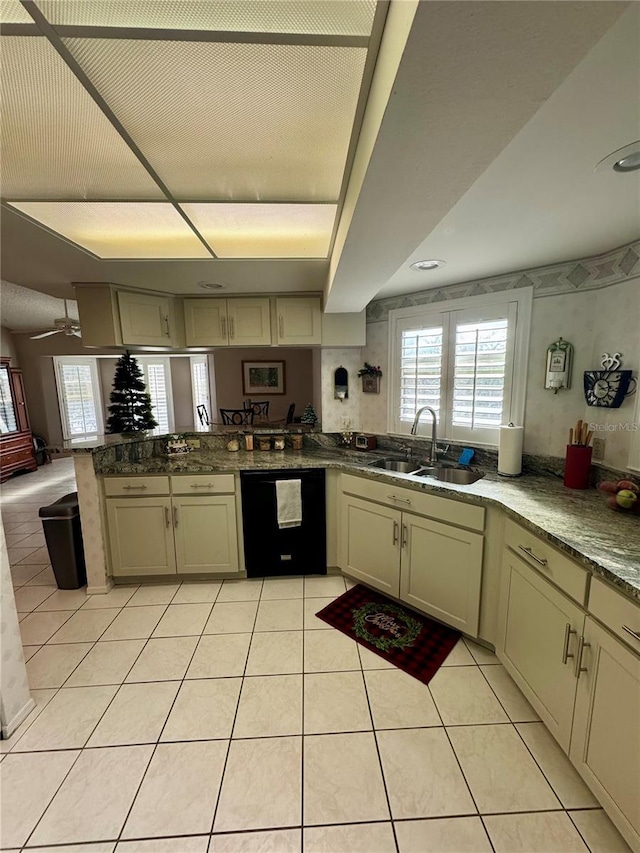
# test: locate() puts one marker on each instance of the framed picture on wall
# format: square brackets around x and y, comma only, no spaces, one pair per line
[263,377]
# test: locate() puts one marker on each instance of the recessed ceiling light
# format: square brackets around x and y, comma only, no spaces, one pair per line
[427,265]
[625,159]
[211,285]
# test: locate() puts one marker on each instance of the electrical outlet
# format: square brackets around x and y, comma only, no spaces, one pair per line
[598,449]
[193,443]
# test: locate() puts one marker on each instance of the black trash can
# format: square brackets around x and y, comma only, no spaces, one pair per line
[62,531]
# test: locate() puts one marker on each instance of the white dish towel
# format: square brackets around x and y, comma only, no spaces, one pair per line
[289,501]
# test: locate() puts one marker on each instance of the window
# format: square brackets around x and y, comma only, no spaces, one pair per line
[468,363]
[200,390]
[157,377]
[78,396]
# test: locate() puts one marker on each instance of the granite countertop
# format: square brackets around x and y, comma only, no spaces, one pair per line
[577,522]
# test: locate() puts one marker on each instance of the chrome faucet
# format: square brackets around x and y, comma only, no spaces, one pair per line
[434,431]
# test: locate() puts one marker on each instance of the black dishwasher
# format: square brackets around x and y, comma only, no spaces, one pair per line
[269,550]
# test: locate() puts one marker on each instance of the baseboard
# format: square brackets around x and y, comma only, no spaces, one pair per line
[100,589]
[9,728]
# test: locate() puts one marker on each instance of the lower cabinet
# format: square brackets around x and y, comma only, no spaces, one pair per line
[434,567]
[141,536]
[205,534]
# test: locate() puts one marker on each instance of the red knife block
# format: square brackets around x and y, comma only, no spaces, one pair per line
[577,466]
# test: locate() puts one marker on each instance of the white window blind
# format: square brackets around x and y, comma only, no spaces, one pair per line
[157,377]
[479,373]
[200,389]
[420,370]
[78,396]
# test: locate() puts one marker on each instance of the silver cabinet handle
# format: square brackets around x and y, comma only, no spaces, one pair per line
[405,536]
[175,516]
[134,488]
[568,631]
[202,485]
[167,517]
[395,532]
[223,325]
[581,647]
[281,326]
[634,634]
[232,328]
[166,321]
[541,560]
[396,498]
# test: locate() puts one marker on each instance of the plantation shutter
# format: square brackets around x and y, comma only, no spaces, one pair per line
[421,352]
[200,388]
[157,378]
[78,397]
[480,359]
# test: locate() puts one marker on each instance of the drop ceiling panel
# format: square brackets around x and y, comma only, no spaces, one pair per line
[233,121]
[56,142]
[13,12]
[348,17]
[265,230]
[119,230]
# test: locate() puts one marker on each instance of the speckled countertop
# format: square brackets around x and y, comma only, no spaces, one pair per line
[578,522]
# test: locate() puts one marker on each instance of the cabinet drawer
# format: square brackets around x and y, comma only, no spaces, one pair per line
[619,614]
[136,486]
[203,484]
[553,565]
[442,509]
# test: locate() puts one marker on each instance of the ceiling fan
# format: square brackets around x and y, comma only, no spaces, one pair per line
[65,325]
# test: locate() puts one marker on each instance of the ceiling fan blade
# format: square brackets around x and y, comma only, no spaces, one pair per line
[76,332]
[45,334]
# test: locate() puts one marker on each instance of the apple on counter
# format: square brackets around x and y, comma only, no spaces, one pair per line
[623,495]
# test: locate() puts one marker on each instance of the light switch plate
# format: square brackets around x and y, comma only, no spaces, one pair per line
[598,449]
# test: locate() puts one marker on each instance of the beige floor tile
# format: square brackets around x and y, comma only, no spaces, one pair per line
[500,771]
[321,587]
[84,626]
[269,705]
[399,701]
[276,653]
[481,654]
[21,575]
[329,652]
[463,697]
[510,696]
[34,540]
[52,665]
[243,590]
[276,841]
[45,577]
[134,623]
[370,660]
[442,835]
[42,699]
[29,597]
[203,710]
[262,785]
[275,588]
[28,783]
[100,847]
[335,702]
[151,594]
[544,832]
[182,844]
[68,719]
[354,838]
[342,779]
[164,659]
[220,656]
[64,599]
[422,775]
[17,554]
[311,607]
[283,615]
[118,596]
[29,651]
[569,787]
[598,832]
[106,663]
[94,799]
[38,557]
[183,620]
[179,791]
[136,715]
[232,617]
[37,628]
[459,656]
[197,592]
[14,539]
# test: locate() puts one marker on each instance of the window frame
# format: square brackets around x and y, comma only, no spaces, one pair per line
[516,305]
[85,361]
[144,361]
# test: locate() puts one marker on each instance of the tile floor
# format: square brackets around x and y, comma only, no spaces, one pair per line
[225,717]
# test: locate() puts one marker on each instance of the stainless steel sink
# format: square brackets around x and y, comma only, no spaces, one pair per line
[460,476]
[398,465]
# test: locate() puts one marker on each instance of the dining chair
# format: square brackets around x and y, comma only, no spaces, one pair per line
[236,417]
[260,409]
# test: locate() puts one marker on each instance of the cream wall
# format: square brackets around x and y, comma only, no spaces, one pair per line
[8,346]
[597,321]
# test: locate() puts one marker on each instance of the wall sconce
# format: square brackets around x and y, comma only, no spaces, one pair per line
[559,363]
[341,384]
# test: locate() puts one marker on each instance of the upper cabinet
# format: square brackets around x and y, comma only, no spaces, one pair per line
[298,320]
[145,319]
[224,322]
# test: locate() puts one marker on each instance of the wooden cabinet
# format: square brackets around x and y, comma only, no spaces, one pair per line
[16,440]
[605,745]
[145,319]
[371,544]
[298,320]
[227,322]
[205,534]
[141,536]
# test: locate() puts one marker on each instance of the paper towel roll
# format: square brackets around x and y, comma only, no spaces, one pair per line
[510,451]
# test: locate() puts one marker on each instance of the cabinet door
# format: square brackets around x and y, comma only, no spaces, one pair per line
[299,320]
[144,319]
[441,571]
[141,536]
[206,534]
[539,628]
[205,322]
[605,745]
[371,544]
[249,322]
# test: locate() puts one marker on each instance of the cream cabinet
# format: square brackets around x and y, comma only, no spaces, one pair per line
[141,536]
[605,745]
[371,537]
[205,534]
[298,320]
[227,322]
[145,319]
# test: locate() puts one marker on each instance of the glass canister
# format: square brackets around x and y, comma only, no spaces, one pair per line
[278,442]
[264,442]
[296,441]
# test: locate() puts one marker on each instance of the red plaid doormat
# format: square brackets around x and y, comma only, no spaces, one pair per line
[414,643]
